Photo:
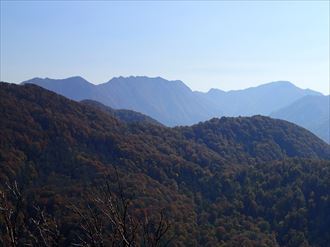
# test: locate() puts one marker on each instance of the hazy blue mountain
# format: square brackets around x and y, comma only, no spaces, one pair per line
[263,99]
[172,102]
[76,88]
[310,112]
[169,102]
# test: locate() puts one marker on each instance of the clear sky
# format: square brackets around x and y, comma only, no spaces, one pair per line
[226,45]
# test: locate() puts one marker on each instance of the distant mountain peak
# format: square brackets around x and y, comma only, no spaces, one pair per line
[135,80]
[72,79]
[139,77]
[215,90]
[34,79]
[77,78]
[282,84]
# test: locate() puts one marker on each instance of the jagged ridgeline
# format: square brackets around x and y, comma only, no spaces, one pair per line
[249,181]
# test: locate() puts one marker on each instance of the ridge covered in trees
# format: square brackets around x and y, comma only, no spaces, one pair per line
[251,181]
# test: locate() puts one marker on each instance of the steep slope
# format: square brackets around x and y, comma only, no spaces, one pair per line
[126,116]
[218,185]
[263,99]
[310,112]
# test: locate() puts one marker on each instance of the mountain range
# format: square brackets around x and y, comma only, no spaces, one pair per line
[262,99]
[172,103]
[230,181]
[169,102]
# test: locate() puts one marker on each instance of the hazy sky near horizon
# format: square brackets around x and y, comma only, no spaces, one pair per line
[226,45]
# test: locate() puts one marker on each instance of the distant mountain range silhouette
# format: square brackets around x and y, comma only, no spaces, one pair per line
[173,103]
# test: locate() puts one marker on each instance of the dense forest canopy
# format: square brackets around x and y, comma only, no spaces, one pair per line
[247,181]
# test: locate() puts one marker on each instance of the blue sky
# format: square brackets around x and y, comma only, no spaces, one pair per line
[226,45]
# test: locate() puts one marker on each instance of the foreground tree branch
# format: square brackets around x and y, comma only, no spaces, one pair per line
[110,220]
[18,228]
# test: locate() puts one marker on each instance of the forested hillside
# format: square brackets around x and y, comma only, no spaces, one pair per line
[251,181]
